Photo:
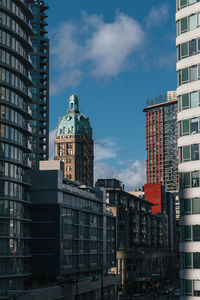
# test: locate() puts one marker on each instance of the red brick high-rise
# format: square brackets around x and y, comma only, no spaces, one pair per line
[161,143]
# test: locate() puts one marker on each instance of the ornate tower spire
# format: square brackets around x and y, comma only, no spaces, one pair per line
[73,104]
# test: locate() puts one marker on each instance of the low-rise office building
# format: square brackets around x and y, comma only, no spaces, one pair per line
[73,237]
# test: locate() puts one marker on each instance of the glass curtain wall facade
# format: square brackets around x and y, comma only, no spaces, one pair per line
[15,148]
[40,78]
[188,92]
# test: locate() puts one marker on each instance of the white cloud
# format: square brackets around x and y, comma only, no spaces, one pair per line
[104,149]
[157,15]
[132,174]
[52,135]
[106,47]
[111,44]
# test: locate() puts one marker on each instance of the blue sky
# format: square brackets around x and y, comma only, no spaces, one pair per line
[114,55]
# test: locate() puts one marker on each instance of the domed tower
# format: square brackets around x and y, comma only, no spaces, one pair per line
[74,144]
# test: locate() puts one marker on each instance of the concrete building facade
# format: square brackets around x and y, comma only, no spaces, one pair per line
[188,91]
[74,144]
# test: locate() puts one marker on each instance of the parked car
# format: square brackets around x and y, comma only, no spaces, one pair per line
[177,293]
[166,290]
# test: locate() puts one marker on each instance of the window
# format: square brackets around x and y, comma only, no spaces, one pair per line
[194,99]
[186,180]
[195,152]
[188,260]
[196,287]
[194,125]
[196,206]
[188,287]
[184,75]
[184,50]
[193,73]
[184,25]
[196,233]
[196,260]
[187,206]
[195,179]
[185,101]
[192,47]
[183,3]
[186,153]
[192,22]
[187,233]
[185,127]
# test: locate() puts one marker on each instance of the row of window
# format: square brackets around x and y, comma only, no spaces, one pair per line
[189,100]
[188,49]
[14,209]
[11,61]
[190,206]
[190,287]
[8,77]
[13,190]
[70,216]
[189,153]
[13,116]
[188,23]
[14,9]
[12,25]
[11,170]
[13,228]
[13,266]
[190,233]
[82,231]
[82,245]
[183,3]
[66,145]
[191,126]
[75,261]
[11,152]
[14,247]
[68,152]
[12,134]
[189,179]
[82,203]
[10,96]
[10,42]
[188,74]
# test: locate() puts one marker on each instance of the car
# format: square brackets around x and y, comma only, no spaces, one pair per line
[170,289]
[166,290]
[177,293]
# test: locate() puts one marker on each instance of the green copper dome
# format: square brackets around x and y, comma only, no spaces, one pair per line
[74,122]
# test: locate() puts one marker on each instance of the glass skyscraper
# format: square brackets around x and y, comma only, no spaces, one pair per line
[188,92]
[24,103]
[15,147]
[40,78]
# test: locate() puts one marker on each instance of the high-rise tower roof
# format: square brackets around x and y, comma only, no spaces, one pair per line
[74,122]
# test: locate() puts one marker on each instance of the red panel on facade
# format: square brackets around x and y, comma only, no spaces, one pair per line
[153,195]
